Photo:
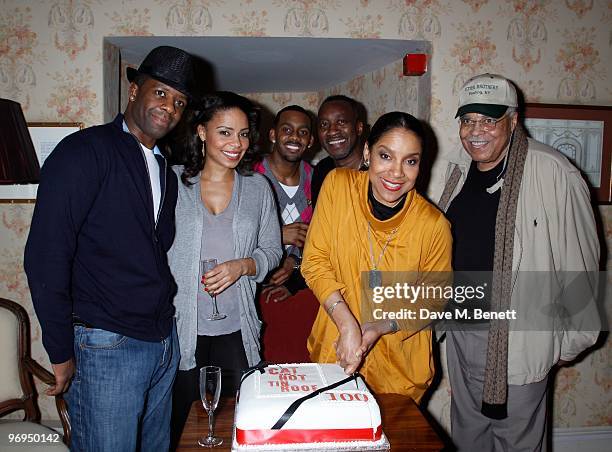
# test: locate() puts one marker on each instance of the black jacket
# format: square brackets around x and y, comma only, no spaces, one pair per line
[94,250]
[319,173]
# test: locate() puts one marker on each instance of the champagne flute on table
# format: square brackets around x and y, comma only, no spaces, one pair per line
[210,389]
[207,265]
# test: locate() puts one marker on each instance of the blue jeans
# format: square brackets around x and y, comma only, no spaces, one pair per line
[121,396]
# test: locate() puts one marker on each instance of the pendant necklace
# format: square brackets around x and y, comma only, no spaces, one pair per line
[375,275]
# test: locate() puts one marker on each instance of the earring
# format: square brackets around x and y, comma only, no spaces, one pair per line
[204,148]
[366,163]
[132,98]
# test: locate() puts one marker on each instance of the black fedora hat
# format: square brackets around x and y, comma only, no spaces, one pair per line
[169,65]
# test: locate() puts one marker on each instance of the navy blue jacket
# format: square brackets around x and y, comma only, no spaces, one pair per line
[94,250]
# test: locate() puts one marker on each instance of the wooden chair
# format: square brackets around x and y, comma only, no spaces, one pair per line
[17,390]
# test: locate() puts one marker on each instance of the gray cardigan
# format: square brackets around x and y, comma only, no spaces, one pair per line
[256,234]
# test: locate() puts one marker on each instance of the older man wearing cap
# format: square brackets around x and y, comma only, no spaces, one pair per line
[97,267]
[521,213]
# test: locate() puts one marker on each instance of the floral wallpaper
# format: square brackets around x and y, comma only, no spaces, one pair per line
[51,57]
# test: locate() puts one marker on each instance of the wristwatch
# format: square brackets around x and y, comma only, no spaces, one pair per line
[298,262]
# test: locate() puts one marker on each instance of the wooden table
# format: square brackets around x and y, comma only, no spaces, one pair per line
[403,423]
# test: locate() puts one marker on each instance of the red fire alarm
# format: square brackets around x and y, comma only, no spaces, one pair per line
[415,63]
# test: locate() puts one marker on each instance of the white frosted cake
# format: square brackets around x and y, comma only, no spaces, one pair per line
[346,417]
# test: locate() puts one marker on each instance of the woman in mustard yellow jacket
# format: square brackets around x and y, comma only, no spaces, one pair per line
[370,225]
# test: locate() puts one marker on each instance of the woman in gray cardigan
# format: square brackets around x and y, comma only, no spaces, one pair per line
[225,212]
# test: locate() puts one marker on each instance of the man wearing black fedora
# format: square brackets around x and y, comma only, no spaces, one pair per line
[97,267]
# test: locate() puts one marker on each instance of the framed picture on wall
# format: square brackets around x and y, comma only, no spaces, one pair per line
[583,133]
[45,136]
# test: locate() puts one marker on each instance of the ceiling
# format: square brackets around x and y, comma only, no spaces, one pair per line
[263,64]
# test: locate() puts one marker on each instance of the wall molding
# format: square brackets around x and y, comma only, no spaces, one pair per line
[588,439]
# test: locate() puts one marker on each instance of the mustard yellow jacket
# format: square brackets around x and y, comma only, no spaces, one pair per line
[337,250]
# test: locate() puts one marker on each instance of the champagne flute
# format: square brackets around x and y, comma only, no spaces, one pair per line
[207,265]
[210,389]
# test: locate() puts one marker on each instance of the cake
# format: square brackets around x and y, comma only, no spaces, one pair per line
[339,412]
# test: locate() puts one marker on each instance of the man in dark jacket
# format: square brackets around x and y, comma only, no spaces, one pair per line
[97,267]
[339,129]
